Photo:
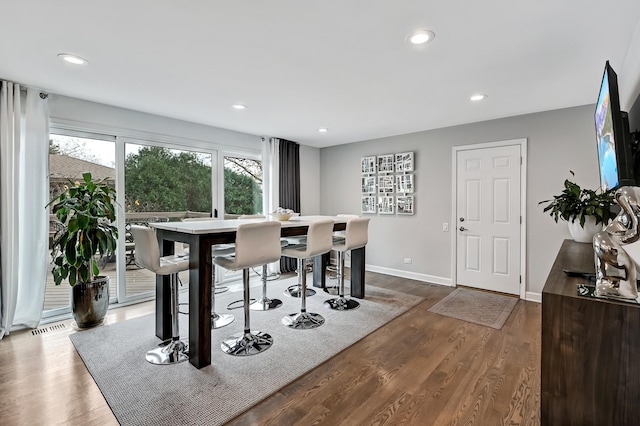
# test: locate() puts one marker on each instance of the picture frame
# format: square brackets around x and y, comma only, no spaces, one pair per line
[368,204]
[404,162]
[368,184]
[404,183]
[385,204]
[385,184]
[385,163]
[368,165]
[404,204]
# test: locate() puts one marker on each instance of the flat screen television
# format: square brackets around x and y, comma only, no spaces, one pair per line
[612,135]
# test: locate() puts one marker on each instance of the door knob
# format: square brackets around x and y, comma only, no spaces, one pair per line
[462,228]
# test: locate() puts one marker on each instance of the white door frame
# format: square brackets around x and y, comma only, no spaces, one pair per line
[523,206]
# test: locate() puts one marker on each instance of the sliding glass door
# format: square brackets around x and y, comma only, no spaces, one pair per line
[70,155]
[161,185]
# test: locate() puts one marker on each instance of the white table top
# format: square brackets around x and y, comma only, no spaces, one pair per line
[218,225]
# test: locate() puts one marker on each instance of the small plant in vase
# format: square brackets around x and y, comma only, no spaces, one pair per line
[585,210]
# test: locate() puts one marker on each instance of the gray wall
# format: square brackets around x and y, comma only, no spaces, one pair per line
[558,141]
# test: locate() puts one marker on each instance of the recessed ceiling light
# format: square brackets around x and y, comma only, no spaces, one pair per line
[239,106]
[323,130]
[421,36]
[72,59]
[478,97]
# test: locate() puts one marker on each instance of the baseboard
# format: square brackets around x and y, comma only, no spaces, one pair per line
[410,275]
[533,297]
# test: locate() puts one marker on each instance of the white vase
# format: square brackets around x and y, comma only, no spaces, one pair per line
[584,235]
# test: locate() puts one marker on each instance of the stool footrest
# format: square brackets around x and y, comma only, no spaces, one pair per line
[296,291]
[265,304]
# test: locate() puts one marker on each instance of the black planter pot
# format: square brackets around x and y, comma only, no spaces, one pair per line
[89,302]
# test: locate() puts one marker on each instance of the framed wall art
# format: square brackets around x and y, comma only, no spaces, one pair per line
[385,204]
[404,204]
[404,162]
[385,184]
[385,163]
[404,183]
[369,185]
[368,204]
[368,165]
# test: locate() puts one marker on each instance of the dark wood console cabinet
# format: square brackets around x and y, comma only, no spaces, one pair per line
[590,367]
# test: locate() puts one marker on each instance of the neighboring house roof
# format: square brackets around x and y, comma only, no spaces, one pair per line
[63,166]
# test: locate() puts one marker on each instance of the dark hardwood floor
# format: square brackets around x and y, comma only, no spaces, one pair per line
[419,369]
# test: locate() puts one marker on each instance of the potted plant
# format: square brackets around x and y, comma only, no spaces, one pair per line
[87,210]
[585,210]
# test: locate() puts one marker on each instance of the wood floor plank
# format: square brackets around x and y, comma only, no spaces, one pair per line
[421,368]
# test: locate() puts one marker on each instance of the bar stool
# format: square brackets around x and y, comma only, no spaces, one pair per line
[147,254]
[264,303]
[222,319]
[338,237]
[318,242]
[257,244]
[356,236]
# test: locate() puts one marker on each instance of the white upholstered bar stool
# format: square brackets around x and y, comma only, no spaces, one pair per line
[356,236]
[257,243]
[338,237]
[264,303]
[147,254]
[318,242]
[222,319]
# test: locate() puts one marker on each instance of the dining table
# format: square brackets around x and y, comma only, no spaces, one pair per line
[200,236]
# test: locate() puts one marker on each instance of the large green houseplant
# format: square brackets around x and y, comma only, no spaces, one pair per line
[87,210]
[581,206]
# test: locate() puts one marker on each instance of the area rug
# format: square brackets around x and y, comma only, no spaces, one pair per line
[140,393]
[478,307]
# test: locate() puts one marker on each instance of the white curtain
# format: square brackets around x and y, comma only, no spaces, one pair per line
[270,183]
[24,193]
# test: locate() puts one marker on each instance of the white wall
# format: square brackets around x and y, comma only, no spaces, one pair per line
[77,113]
[558,141]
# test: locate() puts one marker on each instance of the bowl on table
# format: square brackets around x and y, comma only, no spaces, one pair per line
[283,217]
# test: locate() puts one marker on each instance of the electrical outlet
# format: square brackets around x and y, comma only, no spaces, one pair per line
[445,227]
[407,260]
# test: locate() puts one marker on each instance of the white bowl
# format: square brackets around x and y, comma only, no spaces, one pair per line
[283,217]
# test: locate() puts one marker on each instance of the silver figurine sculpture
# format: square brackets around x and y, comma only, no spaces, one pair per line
[616,268]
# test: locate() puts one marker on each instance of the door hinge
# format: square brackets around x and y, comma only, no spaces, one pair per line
[521,161]
[520,220]
[520,279]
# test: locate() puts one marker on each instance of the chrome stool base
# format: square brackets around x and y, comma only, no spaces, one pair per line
[265,304]
[221,320]
[296,291]
[219,290]
[169,352]
[341,304]
[245,344]
[303,321]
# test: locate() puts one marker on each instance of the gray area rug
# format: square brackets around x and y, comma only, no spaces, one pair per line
[478,307]
[140,393]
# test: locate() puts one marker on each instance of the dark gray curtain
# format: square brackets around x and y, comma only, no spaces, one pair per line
[289,187]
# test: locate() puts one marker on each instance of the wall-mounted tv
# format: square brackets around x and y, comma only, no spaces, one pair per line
[612,135]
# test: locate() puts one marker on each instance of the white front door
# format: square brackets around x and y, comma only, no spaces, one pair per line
[488,218]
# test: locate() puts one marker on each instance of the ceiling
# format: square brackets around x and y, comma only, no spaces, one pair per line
[300,65]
